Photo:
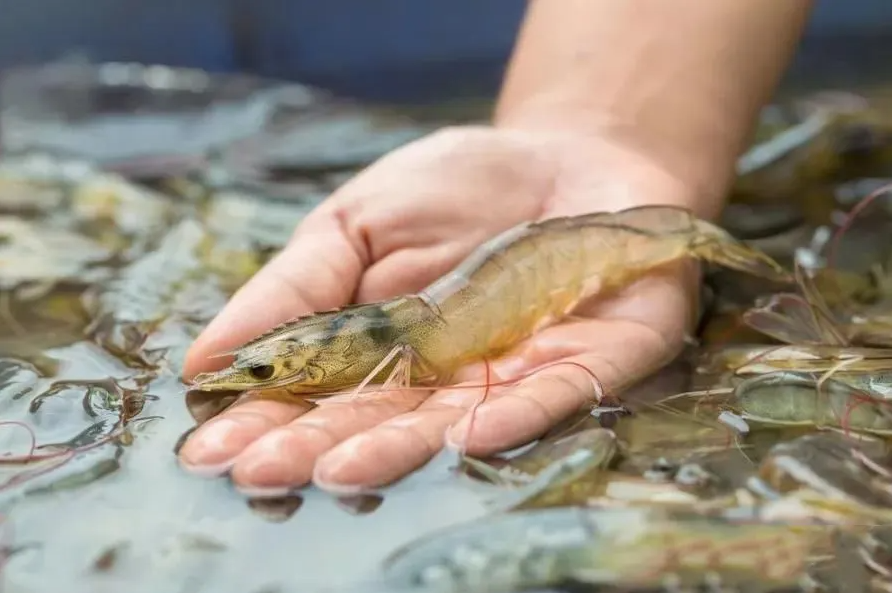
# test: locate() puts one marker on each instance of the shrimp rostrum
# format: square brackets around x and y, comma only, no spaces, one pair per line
[521,281]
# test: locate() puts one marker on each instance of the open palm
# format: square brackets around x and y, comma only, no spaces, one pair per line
[393,229]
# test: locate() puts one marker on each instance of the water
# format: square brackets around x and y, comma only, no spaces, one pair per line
[94,325]
[106,283]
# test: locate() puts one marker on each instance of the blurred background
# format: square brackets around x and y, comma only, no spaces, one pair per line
[384,50]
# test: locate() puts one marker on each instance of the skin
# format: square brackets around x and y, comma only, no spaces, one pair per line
[606,105]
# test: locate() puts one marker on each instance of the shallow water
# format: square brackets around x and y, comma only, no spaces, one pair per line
[93,327]
[105,285]
[120,512]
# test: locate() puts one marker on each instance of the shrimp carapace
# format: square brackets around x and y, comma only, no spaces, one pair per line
[519,282]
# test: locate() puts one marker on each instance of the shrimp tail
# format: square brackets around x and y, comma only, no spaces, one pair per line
[716,245]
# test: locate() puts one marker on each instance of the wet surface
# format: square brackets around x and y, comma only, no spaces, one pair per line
[104,423]
[105,283]
[106,276]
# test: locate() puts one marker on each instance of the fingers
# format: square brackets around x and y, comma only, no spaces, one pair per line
[277,451]
[395,447]
[319,269]
[352,446]
[346,447]
[592,358]
[213,447]
[547,396]
[285,457]
[512,415]
[349,447]
[385,453]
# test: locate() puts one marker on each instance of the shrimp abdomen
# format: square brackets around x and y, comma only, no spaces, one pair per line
[536,273]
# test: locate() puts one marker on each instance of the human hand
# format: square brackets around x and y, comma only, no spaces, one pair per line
[394,228]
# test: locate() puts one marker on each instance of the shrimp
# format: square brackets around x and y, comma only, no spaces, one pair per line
[800,399]
[760,360]
[826,144]
[553,473]
[523,280]
[826,464]
[619,547]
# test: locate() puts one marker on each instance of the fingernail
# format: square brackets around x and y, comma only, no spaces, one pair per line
[337,462]
[207,470]
[267,466]
[339,489]
[208,448]
[264,491]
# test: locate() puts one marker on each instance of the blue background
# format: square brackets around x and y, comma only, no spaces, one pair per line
[376,49]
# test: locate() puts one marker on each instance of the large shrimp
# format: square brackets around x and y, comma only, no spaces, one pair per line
[521,281]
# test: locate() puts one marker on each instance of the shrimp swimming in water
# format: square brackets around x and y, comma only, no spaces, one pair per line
[519,282]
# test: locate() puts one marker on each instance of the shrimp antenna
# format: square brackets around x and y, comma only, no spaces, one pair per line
[850,219]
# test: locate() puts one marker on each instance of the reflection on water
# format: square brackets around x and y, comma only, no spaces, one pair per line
[104,283]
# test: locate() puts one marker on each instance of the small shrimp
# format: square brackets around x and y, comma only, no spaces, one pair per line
[800,399]
[804,319]
[786,156]
[619,547]
[760,360]
[553,473]
[825,464]
[523,280]
[808,320]
[826,143]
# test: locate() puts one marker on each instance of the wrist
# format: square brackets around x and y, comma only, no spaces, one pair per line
[679,83]
[694,148]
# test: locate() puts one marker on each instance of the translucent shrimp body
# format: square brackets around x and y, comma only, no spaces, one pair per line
[621,547]
[523,280]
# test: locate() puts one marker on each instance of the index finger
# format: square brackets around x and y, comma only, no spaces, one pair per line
[319,269]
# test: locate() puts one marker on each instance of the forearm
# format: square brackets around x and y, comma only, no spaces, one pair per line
[680,80]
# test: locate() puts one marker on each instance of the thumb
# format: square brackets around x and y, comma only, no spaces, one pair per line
[319,269]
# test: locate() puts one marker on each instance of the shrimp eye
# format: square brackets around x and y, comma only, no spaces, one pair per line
[262,372]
